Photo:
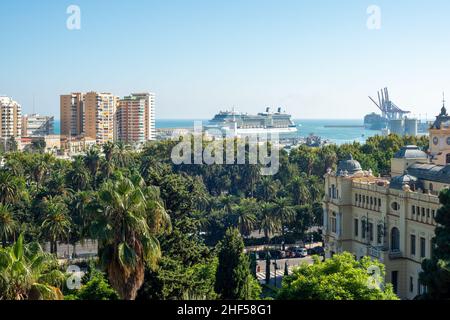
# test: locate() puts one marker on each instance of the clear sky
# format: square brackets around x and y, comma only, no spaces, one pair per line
[315,58]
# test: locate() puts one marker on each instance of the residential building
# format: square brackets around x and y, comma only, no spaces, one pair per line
[89,114]
[52,143]
[77,145]
[71,114]
[136,118]
[99,116]
[390,219]
[35,125]
[11,113]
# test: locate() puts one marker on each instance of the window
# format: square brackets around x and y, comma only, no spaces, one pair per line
[421,288]
[411,284]
[395,240]
[413,209]
[359,197]
[423,212]
[333,222]
[431,187]
[379,202]
[428,213]
[422,247]
[363,228]
[356,227]
[394,280]
[380,233]
[371,231]
[413,245]
[395,206]
[356,198]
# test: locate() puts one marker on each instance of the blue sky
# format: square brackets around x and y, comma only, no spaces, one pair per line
[317,59]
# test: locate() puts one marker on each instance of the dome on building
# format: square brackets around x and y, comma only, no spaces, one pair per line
[349,166]
[410,152]
[406,179]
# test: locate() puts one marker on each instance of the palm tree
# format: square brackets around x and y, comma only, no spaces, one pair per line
[227,203]
[108,149]
[27,272]
[8,224]
[92,161]
[56,222]
[78,177]
[269,223]
[11,188]
[300,191]
[57,184]
[81,214]
[267,189]
[244,217]
[285,213]
[121,156]
[40,168]
[14,166]
[129,220]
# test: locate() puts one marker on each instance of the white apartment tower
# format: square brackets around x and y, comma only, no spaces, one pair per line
[11,118]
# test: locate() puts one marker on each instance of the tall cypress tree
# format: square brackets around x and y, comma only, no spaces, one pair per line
[436,271]
[233,278]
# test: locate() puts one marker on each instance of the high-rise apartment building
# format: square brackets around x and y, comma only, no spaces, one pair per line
[35,125]
[99,116]
[89,114]
[136,118]
[71,112]
[11,118]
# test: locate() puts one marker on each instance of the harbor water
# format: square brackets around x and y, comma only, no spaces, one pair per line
[338,131]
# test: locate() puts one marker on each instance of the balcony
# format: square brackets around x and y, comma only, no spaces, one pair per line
[376,252]
[395,254]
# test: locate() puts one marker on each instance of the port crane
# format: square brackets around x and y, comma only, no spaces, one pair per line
[388,108]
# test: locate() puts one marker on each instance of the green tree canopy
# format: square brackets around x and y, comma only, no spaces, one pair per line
[234,280]
[338,278]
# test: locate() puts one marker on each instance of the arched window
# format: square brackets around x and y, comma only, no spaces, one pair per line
[395,240]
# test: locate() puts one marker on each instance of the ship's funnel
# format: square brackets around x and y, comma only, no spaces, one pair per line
[279,110]
[268,109]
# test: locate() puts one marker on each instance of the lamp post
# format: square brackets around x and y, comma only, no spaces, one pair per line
[275,266]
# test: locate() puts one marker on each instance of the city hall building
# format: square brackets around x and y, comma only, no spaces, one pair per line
[390,219]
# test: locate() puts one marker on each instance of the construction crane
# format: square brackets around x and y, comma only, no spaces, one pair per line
[388,108]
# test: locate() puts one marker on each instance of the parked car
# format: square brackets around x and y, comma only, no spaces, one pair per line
[303,252]
[300,252]
[277,254]
[316,251]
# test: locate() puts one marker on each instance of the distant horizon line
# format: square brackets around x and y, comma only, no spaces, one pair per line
[194,119]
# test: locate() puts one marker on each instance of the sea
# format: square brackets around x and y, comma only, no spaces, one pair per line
[338,131]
